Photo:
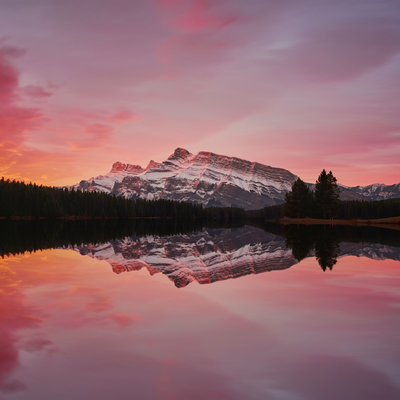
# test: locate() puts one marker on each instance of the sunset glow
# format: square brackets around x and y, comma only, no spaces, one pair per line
[301,85]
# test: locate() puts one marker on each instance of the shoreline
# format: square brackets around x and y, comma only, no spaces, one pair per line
[77,218]
[393,222]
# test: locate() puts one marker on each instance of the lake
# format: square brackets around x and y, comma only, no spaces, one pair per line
[205,313]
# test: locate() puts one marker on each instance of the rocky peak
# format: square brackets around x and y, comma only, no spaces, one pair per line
[180,154]
[203,156]
[137,169]
[151,165]
[119,167]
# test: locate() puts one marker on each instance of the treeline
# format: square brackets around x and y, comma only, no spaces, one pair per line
[31,200]
[368,209]
[345,210]
[19,199]
[215,216]
[324,203]
[270,213]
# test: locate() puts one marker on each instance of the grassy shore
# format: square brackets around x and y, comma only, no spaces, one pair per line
[394,222]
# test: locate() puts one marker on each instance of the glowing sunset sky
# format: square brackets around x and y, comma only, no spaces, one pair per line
[300,84]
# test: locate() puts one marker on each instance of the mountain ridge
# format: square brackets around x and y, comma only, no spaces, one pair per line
[213,180]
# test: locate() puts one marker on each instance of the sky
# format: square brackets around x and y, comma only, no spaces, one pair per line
[297,84]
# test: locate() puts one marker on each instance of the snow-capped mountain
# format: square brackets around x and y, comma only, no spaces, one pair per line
[213,180]
[377,191]
[206,178]
[214,254]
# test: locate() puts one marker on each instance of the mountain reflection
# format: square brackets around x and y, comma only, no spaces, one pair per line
[207,256]
[187,253]
[212,255]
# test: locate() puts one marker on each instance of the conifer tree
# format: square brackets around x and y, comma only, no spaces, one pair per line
[298,202]
[326,195]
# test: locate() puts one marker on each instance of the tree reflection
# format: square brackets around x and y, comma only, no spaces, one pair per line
[326,248]
[323,240]
[298,240]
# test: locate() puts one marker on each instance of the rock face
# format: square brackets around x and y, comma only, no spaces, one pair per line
[206,178]
[213,255]
[377,191]
[213,180]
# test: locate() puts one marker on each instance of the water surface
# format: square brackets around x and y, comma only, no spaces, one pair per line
[212,314]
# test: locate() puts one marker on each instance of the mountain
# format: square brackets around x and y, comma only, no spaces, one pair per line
[377,191]
[206,178]
[213,180]
[213,255]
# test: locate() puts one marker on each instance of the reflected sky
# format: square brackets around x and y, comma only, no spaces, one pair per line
[70,328]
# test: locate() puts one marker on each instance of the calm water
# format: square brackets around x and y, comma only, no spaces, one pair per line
[215,314]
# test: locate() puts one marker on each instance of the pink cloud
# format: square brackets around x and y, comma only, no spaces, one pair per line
[36,91]
[98,131]
[95,135]
[8,79]
[8,75]
[37,344]
[195,16]
[124,116]
[15,120]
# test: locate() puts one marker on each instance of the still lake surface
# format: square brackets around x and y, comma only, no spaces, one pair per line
[209,314]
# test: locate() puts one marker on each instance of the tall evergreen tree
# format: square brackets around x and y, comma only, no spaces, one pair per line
[326,195]
[298,202]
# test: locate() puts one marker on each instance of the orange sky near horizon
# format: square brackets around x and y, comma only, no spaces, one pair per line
[301,85]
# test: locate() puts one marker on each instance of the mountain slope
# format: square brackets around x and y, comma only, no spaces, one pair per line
[206,178]
[214,180]
[377,191]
